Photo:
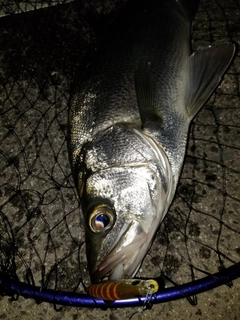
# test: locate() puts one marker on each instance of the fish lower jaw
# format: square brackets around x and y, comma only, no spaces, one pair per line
[121,265]
[124,269]
[125,257]
[120,273]
[117,272]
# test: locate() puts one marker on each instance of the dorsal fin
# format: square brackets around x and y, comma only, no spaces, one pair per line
[147,97]
[205,69]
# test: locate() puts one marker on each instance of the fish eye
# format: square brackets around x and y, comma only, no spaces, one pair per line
[101,219]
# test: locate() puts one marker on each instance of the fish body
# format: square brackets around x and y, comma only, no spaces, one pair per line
[128,125]
[122,289]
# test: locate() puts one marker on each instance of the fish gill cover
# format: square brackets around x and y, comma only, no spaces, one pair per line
[41,239]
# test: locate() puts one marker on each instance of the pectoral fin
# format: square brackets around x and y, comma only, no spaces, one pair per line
[147,97]
[205,69]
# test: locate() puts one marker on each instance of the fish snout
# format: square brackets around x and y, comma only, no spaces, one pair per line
[125,255]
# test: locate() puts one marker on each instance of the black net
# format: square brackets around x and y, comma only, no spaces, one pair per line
[41,239]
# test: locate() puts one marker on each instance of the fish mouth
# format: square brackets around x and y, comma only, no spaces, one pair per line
[126,254]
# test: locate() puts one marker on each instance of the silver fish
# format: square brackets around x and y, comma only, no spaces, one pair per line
[128,125]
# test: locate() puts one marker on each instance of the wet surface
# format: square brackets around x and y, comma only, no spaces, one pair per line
[40,221]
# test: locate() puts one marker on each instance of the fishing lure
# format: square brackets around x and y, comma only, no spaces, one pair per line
[122,289]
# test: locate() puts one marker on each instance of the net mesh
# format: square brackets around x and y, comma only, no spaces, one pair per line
[41,238]
[8,7]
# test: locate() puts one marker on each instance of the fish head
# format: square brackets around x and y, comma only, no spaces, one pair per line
[123,206]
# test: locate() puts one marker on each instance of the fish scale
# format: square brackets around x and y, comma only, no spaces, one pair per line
[111,75]
[129,117]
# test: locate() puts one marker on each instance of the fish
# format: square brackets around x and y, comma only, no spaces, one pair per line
[122,289]
[129,116]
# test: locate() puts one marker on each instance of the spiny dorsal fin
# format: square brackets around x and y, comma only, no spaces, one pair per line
[205,69]
[147,97]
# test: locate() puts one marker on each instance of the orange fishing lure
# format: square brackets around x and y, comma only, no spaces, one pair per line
[122,289]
